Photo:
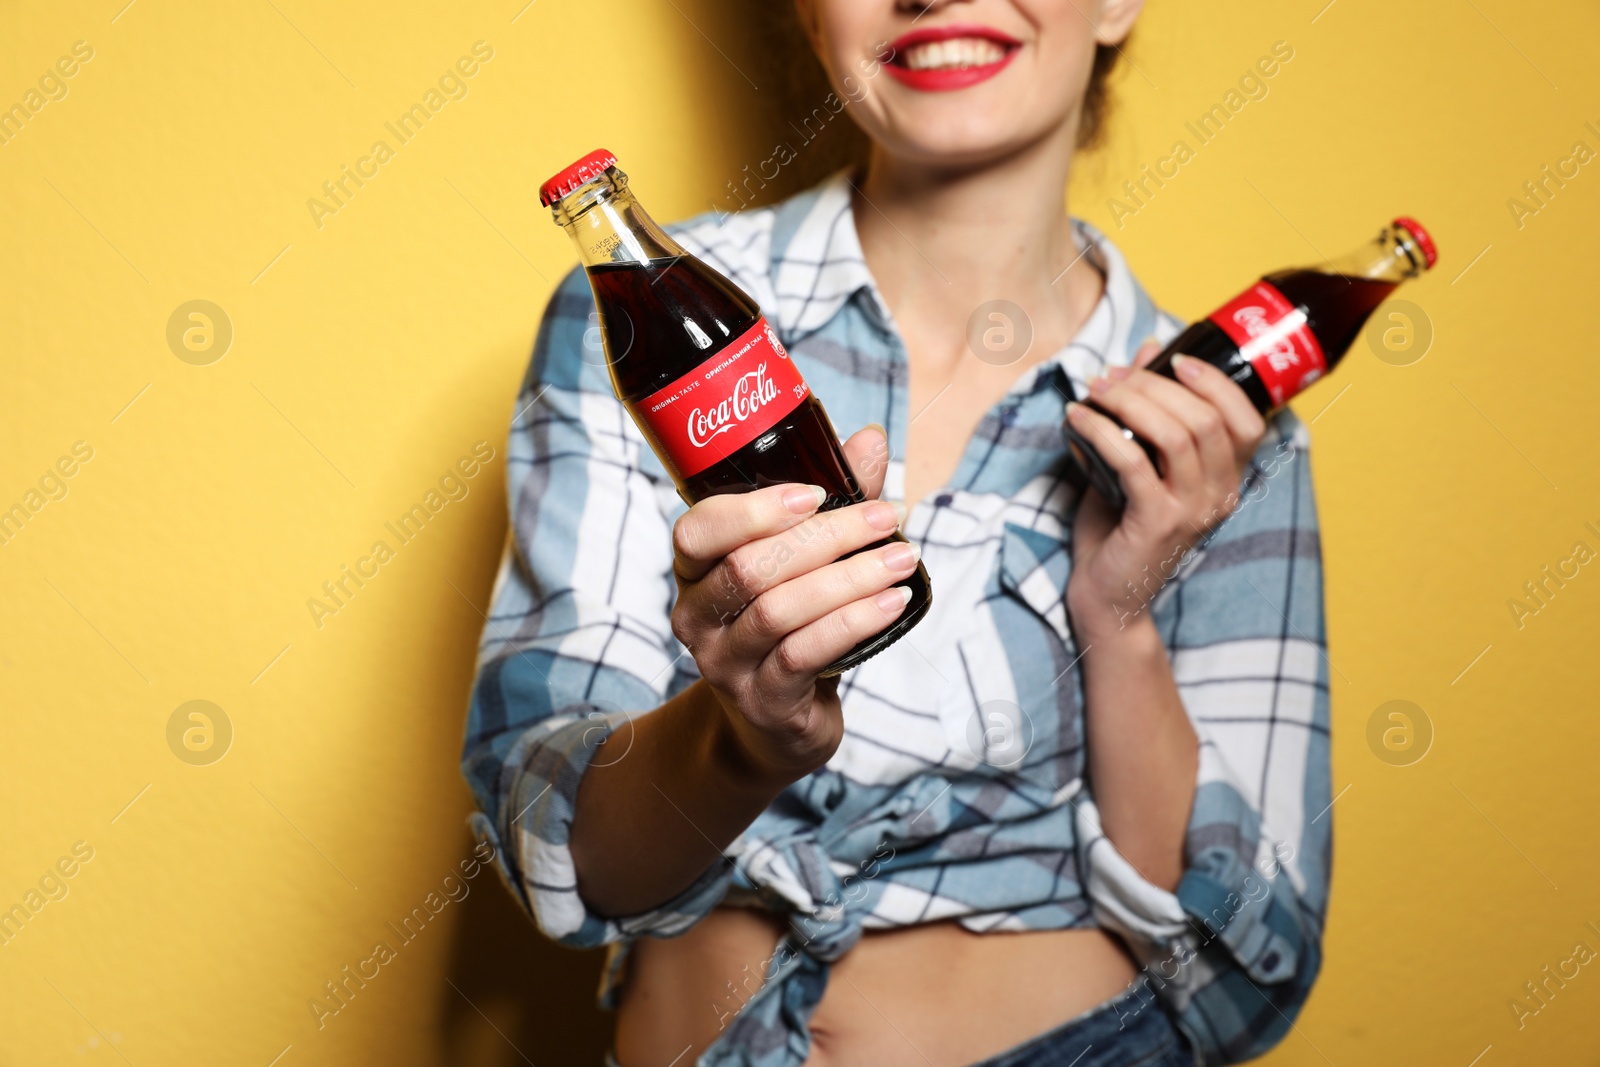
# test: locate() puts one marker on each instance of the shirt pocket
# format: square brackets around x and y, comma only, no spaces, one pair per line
[1031,574]
[1034,568]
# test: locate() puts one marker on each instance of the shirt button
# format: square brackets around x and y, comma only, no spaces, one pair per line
[943,500]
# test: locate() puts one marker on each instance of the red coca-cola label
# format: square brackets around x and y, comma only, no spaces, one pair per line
[725,403]
[1272,334]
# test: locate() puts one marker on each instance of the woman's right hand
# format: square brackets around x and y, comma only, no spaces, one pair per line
[765,602]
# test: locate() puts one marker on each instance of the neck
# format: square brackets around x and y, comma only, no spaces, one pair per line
[941,240]
[1000,230]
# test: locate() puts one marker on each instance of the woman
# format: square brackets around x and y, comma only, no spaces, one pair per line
[1079,815]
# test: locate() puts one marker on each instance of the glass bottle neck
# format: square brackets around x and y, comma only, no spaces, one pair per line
[1392,256]
[608,225]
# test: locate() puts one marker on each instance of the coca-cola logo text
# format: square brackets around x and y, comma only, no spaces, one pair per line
[743,391]
[1268,337]
[750,394]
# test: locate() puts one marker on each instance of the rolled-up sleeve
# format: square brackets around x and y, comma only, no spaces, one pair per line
[578,641]
[1233,953]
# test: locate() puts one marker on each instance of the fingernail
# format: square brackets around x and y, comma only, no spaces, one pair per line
[901,556]
[1099,384]
[1119,373]
[879,427]
[1075,411]
[804,499]
[893,601]
[884,516]
[1185,366]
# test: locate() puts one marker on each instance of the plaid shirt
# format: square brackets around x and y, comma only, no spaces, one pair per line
[959,790]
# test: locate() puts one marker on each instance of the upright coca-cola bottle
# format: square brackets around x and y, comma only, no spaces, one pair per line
[1283,333]
[704,376]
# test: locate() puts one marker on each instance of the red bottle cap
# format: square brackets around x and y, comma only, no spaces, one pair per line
[1430,254]
[569,179]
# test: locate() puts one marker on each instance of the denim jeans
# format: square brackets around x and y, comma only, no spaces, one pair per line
[1130,1031]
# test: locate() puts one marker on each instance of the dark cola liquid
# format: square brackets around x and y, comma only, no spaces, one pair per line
[656,319]
[1336,306]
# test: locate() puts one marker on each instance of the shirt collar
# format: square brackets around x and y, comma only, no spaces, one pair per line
[817,267]
[817,263]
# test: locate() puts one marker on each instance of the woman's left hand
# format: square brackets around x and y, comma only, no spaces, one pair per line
[1206,430]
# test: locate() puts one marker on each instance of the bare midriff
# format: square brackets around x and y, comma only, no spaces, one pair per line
[934,995]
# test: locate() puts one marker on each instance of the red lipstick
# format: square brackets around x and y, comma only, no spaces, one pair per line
[948,78]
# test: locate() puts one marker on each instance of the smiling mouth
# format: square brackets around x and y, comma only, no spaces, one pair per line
[943,58]
[957,53]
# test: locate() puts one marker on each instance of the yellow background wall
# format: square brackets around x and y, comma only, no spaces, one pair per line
[370,353]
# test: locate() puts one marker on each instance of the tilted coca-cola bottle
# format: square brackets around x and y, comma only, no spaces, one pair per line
[704,376]
[1283,333]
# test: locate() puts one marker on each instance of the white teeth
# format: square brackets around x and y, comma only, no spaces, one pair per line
[953,54]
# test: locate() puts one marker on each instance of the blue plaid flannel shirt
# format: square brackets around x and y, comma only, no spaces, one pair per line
[958,791]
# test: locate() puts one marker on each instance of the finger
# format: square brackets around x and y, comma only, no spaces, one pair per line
[757,566]
[1147,352]
[811,648]
[868,453]
[1245,424]
[785,608]
[1150,419]
[1199,415]
[719,524]
[1123,455]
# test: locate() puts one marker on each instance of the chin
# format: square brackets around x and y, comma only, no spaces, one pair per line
[940,135]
